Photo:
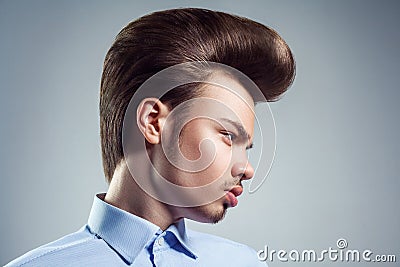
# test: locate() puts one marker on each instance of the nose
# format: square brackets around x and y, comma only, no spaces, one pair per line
[244,170]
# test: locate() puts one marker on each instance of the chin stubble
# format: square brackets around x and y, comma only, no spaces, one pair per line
[218,216]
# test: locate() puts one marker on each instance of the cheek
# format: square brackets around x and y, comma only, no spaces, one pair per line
[203,149]
[198,142]
[190,146]
[215,154]
[219,167]
[192,136]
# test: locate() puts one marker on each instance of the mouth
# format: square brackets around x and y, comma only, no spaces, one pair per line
[232,195]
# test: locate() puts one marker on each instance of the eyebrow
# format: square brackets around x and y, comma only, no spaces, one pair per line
[241,130]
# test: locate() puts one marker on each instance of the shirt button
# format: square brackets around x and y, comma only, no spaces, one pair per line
[160,241]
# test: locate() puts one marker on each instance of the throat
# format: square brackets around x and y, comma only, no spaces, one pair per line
[125,194]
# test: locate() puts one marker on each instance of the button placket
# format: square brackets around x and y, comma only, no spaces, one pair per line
[161,241]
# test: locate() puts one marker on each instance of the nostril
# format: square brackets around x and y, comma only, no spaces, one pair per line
[244,177]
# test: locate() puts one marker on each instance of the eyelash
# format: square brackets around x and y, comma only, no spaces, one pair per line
[230,136]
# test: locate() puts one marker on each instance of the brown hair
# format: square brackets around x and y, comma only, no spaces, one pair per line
[166,38]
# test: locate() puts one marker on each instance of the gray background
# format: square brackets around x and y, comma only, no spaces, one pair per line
[336,172]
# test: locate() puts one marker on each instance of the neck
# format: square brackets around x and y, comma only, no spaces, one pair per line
[124,193]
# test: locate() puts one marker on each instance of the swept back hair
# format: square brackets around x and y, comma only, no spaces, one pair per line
[166,38]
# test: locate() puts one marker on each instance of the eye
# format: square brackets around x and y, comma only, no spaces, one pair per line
[230,137]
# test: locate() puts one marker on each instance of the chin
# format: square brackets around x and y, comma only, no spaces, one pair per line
[218,215]
[210,213]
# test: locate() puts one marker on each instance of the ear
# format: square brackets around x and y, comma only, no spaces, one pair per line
[151,116]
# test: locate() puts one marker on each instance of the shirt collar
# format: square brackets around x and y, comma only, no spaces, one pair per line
[126,233]
[179,230]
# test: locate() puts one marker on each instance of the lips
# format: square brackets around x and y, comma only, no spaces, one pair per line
[237,190]
[232,195]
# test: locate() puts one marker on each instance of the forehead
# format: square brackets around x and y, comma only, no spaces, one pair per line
[227,87]
[229,100]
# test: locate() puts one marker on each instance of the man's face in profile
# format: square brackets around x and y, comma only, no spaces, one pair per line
[210,147]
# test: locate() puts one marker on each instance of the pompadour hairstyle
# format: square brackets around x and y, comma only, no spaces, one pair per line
[166,38]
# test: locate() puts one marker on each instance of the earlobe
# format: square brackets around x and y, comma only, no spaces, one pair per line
[151,115]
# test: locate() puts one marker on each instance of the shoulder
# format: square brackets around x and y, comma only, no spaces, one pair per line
[225,250]
[56,253]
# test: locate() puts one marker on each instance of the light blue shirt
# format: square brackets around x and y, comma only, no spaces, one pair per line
[114,237]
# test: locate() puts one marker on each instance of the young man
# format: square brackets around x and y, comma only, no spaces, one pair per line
[176,118]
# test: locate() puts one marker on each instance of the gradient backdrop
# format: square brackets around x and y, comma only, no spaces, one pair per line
[336,172]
